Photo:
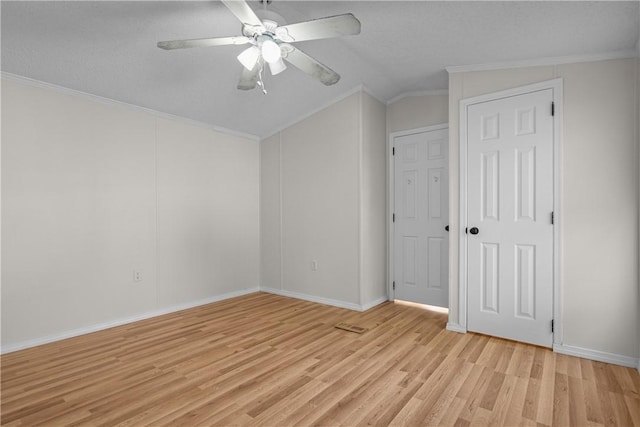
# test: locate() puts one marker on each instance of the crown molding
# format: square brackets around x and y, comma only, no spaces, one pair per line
[418,93]
[540,62]
[131,107]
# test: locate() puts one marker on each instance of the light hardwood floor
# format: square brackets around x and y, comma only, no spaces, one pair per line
[268,360]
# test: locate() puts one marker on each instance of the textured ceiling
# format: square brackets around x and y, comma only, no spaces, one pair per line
[109,49]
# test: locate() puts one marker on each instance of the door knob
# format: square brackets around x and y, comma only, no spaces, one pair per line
[446,227]
[474,230]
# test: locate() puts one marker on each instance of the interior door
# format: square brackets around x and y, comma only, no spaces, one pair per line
[509,217]
[421,206]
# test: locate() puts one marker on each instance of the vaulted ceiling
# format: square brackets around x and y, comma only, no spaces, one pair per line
[108,48]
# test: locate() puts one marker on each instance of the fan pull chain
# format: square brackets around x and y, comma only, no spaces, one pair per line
[260,82]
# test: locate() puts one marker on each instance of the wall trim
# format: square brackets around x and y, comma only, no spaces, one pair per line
[123,321]
[540,62]
[127,106]
[317,299]
[585,353]
[556,86]
[454,327]
[417,93]
[371,304]
[599,356]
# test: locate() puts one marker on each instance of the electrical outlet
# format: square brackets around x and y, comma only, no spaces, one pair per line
[137,276]
[314,265]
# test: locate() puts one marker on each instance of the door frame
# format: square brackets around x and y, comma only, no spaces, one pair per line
[556,86]
[390,201]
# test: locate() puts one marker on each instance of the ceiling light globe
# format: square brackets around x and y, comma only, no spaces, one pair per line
[277,67]
[249,57]
[271,51]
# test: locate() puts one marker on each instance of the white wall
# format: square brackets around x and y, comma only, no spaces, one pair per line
[270,217]
[412,112]
[208,204]
[92,192]
[319,204]
[638,139]
[600,196]
[374,200]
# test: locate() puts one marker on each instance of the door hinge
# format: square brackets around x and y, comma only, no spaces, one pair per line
[393,151]
[553,218]
[551,325]
[553,109]
[394,286]
[393,218]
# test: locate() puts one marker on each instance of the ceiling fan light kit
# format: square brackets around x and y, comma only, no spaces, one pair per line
[271,44]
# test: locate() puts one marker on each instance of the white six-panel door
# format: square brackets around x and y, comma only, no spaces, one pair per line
[421,206]
[509,217]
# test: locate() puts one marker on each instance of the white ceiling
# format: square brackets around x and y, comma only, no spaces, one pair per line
[109,49]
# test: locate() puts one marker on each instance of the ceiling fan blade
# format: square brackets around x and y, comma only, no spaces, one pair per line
[332,26]
[249,78]
[243,12]
[312,67]
[220,41]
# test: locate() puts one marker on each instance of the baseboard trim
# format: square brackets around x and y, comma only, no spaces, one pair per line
[370,305]
[454,327]
[10,348]
[599,356]
[313,298]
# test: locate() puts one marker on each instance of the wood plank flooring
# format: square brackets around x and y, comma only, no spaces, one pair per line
[264,359]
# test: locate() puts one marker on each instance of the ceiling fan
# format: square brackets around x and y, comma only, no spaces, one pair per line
[271,44]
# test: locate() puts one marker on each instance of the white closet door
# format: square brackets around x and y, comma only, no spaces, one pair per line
[509,208]
[421,205]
